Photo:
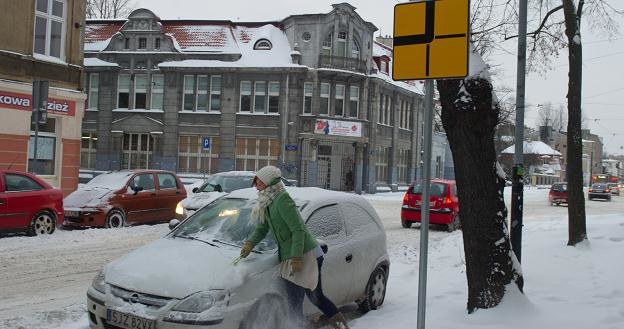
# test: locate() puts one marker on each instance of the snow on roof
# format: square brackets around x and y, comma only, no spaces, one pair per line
[200,36]
[91,61]
[536,147]
[98,35]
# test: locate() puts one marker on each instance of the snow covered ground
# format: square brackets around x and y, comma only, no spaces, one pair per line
[44,279]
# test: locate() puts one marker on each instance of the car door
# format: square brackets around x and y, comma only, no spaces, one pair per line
[140,206]
[168,195]
[326,223]
[19,197]
[367,248]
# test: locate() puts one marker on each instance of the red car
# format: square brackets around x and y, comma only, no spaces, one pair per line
[443,201]
[558,193]
[28,204]
[118,198]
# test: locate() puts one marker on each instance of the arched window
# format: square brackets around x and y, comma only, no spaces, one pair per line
[327,44]
[355,49]
[263,44]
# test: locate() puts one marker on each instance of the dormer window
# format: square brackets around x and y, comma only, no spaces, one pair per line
[263,44]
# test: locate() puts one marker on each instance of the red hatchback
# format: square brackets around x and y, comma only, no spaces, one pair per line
[28,204]
[443,201]
[558,193]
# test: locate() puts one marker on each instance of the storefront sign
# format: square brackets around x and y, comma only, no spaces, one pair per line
[291,147]
[338,128]
[24,102]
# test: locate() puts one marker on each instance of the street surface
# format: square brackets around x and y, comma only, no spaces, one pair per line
[44,279]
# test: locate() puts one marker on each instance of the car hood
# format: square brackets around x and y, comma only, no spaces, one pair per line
[178,267]
[198,200]
[89,197]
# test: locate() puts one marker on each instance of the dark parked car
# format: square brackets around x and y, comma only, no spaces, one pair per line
[558,193]
[443,201]
[117,198]
[599,191]
[28,204]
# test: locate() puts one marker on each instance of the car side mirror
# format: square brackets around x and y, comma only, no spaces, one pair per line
[137,189]
[218,188]
[173,223]
[195,189]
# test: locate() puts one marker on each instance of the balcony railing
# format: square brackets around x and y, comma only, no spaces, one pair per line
[342,63]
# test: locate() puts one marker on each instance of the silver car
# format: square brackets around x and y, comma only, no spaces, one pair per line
[191,276]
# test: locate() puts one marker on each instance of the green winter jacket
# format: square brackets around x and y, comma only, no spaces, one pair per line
[289,231]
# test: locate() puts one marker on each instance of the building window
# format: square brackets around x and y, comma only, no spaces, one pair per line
[46,149]
[355,49]
[387,111]
[384,66]
[339,100]
[308,88]
[324,108]
[202,93]
[245,96]
[327,44]
[189,93]
[274,87]
[380,117]
[354,101]
[127,43]
[142,43]
[194,158]
[215,93]
[255,153]
[123,91]
[403,159]
[341,49]
[50,28]
[263,44]
[381,163]
[140,91]
[157,43]
[158,91]
[260,97]
[88,150]
[307,36]
[93,92]
[137,150]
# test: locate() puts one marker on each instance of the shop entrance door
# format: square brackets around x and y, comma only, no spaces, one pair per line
[324,164]
[137,151]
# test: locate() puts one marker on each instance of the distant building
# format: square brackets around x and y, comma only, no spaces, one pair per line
[592,153]
[42,40]
[541,162]
[311,93]
[613,167]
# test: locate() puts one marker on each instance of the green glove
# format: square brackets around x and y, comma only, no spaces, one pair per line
[246,250]
[296,264]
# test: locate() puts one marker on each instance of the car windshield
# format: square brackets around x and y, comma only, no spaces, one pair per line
[110,180]
[223,183]
[224,221]
[436,189]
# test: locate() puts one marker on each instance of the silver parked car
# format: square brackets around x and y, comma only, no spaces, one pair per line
[191,277]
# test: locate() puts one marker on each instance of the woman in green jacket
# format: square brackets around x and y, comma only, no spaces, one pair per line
[299,253]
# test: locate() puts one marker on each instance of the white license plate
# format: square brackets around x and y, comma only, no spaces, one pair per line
[72,214]
[129,321]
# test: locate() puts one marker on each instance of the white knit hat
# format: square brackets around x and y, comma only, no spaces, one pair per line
[268,173]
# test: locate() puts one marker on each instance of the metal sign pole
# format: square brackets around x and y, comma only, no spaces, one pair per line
[424,207]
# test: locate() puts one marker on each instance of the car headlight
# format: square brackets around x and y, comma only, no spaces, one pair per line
[202,301]
[179,209]
[98,282]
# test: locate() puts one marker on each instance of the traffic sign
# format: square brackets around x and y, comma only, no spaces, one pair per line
[431,40]
[206,143]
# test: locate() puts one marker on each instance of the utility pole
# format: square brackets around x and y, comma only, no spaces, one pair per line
[39,115]
[517,187]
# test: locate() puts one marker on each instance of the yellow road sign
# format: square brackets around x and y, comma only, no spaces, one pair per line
[431,40]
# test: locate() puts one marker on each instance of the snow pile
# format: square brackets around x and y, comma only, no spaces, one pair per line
[535,147]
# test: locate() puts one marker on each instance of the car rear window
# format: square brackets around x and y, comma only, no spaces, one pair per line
[598,186]
[435,189]
[560,187]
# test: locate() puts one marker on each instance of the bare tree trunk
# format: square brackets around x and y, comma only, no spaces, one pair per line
[470,130]
[577,230]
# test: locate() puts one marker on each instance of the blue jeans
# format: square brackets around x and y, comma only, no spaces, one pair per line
[317,297]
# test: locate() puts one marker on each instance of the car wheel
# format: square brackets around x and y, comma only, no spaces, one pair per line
[266,312]
[406,223]
[375,290]
[43,222]
[115,219]
[453,225]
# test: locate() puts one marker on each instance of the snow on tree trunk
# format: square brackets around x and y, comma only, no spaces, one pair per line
[469,117]
[577,230]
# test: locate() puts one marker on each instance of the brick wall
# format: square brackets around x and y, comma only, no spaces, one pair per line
[13,152]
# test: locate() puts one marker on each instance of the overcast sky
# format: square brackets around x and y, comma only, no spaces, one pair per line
[603,87]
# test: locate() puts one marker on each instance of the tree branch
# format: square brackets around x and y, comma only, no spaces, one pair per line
[539,29]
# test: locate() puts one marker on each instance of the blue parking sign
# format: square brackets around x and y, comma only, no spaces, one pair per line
[206,143]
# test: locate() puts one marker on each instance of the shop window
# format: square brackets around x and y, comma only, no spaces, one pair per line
[324,99]
[274,87]
[260,97]
[140,91]
[93,90]
[339,100]
[255,153]
[215,93]
[46,149]
[88,150]
[245,96]
[354,101]
[123,91]
[50,28]
[158,91]
[307,97]
[194,158]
